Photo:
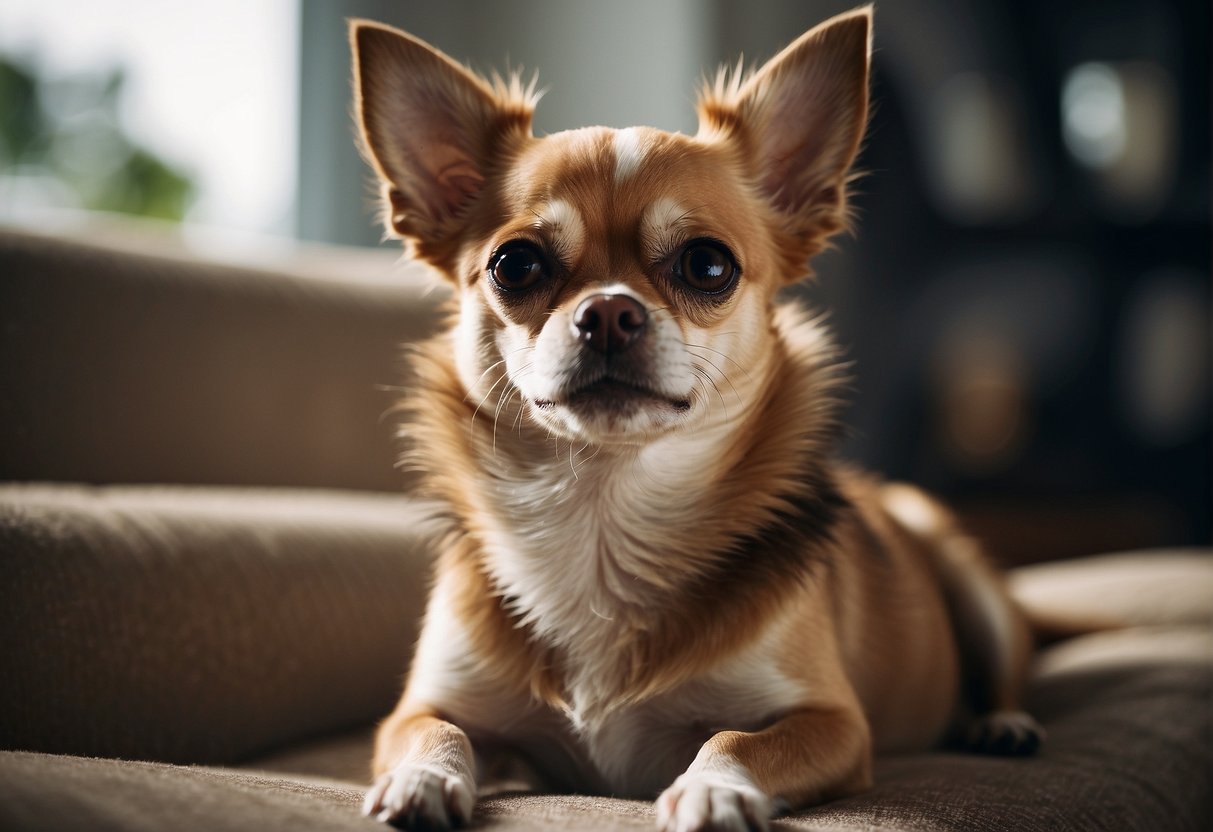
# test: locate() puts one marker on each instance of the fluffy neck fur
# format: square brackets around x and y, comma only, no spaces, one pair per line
[602,556]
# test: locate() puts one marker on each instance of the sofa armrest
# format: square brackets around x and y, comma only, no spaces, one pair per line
[1149,587]
[202,624]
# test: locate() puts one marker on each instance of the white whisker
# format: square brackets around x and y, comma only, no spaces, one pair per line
[476,412]
[703,374]
[476,384]
[727,380]
[723,355]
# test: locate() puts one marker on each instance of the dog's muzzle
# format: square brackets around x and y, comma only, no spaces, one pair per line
[612,372]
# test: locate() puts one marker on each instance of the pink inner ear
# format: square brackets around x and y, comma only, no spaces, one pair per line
[455,176]
[806,140]
[806,109]
[458,183]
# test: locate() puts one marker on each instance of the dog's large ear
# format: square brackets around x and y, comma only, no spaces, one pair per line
[800,119]
[431,129]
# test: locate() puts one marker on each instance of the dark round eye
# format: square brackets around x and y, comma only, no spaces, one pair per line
[706,266]
[517,266]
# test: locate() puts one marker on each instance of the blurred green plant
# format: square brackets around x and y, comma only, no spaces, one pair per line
[62,144]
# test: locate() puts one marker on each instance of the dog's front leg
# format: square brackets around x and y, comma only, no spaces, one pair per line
[738,778]
[425,772]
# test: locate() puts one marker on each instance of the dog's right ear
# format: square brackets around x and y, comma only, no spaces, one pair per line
[432,130]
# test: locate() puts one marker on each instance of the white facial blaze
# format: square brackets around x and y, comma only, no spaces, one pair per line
[629,153]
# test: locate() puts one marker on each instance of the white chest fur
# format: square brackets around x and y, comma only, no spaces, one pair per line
[580,546]
[581,557]
[586,551]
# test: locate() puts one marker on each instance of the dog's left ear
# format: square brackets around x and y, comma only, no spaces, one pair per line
[800,119]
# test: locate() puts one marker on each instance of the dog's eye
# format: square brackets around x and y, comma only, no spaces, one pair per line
[706,266]
[517,266]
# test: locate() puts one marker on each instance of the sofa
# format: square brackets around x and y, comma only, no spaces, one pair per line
[211,576]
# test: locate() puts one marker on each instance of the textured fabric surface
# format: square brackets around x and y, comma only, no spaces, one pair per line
[1167,586]
[202,625]
[344,757]
[119,367]
[1129,749]
[53,793]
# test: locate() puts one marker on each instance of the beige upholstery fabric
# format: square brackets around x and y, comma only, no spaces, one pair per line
[202,625]
[125,367]
[53,793]
[1171,586]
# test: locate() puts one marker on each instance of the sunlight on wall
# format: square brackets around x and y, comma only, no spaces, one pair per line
[209,87]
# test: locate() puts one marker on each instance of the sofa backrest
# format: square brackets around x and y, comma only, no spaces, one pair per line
[123,367]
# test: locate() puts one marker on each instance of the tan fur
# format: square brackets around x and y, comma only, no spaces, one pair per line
[679,592]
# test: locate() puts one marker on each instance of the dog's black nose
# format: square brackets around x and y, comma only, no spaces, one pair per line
[609,323]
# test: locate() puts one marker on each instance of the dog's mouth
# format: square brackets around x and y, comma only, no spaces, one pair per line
[612,394]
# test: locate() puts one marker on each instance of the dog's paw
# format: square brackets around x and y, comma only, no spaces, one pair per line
[420,797]
[1005,733]
[717,802]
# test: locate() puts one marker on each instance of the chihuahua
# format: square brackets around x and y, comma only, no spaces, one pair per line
[659,581]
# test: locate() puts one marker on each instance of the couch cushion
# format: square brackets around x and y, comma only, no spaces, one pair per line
[1128,715]
[47,792]
[202,625]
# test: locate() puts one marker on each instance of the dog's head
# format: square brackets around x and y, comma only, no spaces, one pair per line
[619,283]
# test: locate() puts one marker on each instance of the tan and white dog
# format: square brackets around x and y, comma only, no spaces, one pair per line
[661,582]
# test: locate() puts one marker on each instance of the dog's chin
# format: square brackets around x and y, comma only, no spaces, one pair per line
[612,411]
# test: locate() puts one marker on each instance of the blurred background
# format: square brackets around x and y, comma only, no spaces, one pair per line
[1026,299]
